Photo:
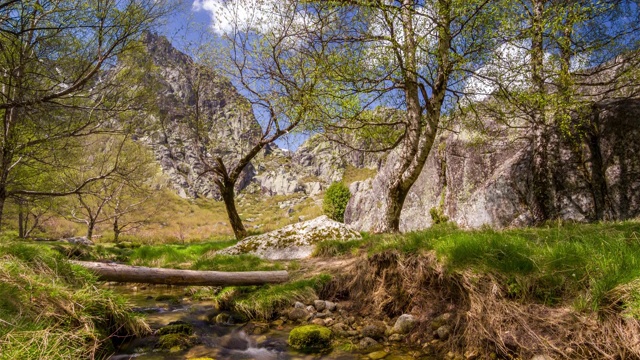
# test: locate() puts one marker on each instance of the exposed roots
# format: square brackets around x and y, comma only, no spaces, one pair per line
[485,318]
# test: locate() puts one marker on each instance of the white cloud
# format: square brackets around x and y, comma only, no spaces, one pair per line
[261,16]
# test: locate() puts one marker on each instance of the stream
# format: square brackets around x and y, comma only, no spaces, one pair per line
[214,341]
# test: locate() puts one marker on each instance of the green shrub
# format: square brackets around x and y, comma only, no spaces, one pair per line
[335,201]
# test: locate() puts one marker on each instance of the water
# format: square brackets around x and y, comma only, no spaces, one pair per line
[231,342]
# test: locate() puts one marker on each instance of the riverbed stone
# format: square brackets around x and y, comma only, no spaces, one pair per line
[369,344]
[175,342]
[232,342]
[404,324]
[222,319]
[319,305]
[318,321]
[298,314]
[374,330]
[376,355]
[331,306]
[395,337]
[298,305]
[310,338]
[175,327]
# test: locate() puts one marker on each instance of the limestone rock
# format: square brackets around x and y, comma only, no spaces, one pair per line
[296,241]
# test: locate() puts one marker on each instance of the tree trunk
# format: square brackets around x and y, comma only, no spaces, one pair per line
[21,221]
[140,274]
[598,181]
[3,200]
[229,198]
[542,203]
[116,230]
[90,226]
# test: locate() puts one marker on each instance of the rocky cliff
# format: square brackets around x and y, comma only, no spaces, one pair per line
[474,179]
[479,181]
[182,88]
[186,91]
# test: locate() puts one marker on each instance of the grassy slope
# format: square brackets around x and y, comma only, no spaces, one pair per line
[50,309]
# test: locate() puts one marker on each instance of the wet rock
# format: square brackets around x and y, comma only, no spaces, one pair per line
[369,344]
[298,314]
[377,355]
[374,330]
[234,342]
[222,319]
[404,324]
[395,337]
[175,342]
[310,338]
[175,327]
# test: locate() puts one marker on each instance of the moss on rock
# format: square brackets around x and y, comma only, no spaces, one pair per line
[176,327]
[310,338]
[175,341]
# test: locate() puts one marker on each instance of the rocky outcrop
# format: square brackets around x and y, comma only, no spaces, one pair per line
[296,241]
[185,91]
[486,181]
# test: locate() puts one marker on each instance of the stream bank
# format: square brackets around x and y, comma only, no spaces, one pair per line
[212,333]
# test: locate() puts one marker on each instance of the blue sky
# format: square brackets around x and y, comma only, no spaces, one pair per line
[190,25]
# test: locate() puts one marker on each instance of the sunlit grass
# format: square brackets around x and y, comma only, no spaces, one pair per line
[559,263]
[51,309]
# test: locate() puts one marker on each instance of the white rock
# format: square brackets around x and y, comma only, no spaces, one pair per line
[296,241]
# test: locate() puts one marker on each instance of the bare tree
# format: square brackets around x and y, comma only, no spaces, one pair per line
[269,52]
[110,199]
[59,78]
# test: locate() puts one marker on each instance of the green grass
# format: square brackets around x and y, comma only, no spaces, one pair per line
[581,264]
[51,309]
[235,263]
[264,302]
[176,255]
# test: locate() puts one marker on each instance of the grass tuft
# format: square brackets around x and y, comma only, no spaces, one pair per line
[264,302]
[51,309]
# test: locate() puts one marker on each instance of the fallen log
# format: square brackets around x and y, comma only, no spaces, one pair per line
[147,275]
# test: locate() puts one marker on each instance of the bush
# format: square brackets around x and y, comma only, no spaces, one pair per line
[335,201]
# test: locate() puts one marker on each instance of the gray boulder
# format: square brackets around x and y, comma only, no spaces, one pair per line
[404,324]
